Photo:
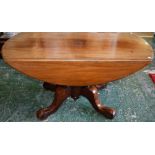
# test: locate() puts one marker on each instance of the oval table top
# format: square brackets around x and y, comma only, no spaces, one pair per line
[77,59]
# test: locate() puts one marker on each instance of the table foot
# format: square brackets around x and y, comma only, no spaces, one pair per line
[61,94]
[91,93]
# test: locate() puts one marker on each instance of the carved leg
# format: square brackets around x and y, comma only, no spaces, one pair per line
[49,86]
[61,94]
[91,93]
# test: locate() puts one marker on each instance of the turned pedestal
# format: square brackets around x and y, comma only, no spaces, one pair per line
[63,92]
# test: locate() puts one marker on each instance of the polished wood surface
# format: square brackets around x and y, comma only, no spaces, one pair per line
[144,34]
[77,59]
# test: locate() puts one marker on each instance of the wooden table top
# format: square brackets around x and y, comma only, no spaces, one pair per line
[77,46]
[77,58]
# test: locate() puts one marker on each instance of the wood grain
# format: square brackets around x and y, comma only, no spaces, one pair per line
[77,59]
[144,34]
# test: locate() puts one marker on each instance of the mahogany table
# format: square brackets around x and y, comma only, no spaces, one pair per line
[74,64]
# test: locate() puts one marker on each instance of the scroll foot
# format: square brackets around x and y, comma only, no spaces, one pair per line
[61,94]
[91,93]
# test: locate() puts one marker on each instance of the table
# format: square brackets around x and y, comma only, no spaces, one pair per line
[75,64]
